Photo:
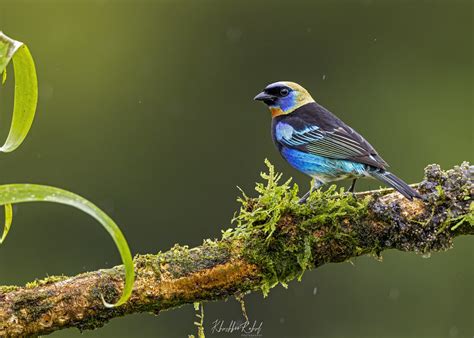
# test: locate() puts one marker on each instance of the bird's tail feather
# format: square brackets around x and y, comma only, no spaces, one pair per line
[396,183]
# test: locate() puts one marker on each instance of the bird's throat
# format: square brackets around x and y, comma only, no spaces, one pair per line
[276,111]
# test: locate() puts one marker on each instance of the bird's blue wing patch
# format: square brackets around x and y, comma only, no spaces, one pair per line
[288,135]
[337,143]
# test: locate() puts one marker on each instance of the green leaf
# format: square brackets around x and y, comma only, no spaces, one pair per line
[19,193]
[26,89]
[8,48]
[8,221]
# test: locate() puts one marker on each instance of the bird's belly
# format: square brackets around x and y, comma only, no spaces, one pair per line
[323,168]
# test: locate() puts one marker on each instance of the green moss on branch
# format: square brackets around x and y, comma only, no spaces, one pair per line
[285,238]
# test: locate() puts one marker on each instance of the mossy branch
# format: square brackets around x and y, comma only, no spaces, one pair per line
[275,240]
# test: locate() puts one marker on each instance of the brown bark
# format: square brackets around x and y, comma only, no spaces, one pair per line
[328,229]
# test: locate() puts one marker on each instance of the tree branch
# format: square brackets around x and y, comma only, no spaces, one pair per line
[275,240]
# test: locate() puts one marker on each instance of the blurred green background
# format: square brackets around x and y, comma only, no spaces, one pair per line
[146,109]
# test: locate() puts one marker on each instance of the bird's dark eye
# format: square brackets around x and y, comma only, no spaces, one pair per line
[284,91]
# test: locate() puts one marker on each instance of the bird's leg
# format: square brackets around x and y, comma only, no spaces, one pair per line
[315,184]
[305,196]
[351,188]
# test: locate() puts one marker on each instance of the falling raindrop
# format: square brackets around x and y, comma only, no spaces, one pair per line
[453,331]
[315,291]
[234,34]
[47,92]
[394,294]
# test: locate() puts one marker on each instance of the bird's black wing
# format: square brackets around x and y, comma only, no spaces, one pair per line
[313,129]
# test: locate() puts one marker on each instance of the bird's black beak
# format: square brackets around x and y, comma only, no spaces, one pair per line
[267,98]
